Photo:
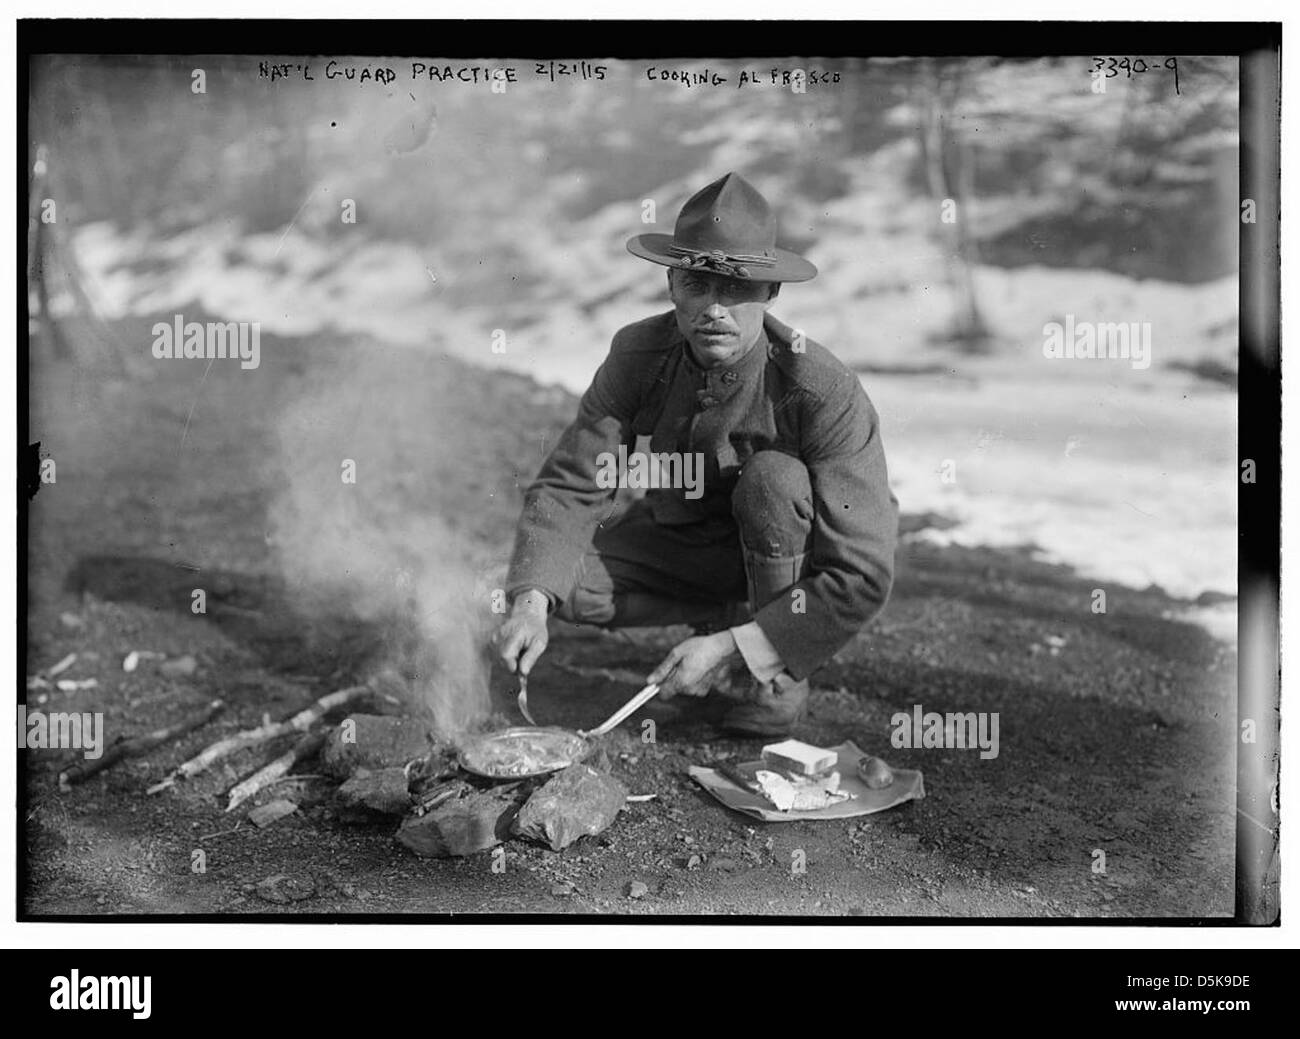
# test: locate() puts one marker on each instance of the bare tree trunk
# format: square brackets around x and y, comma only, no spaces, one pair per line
[950,175]
[39,251]
[52,254]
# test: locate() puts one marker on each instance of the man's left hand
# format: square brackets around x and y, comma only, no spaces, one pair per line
[691,667]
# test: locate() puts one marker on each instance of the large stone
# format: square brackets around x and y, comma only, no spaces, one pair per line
[372,742]
[462,826]
[383,791]
[598,758]
[577,802]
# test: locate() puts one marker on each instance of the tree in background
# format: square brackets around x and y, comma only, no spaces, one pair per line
[949,160]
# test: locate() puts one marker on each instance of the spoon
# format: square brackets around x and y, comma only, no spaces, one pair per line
[522,699]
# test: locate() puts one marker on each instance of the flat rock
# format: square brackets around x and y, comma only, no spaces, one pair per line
[636,889]
[383,791]
[577,802]
[265,815]
[463,826]
[372,742]
[284,888]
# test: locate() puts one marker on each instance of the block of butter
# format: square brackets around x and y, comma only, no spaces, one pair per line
[797,758]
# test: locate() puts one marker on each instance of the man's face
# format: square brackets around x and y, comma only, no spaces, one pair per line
[720,317]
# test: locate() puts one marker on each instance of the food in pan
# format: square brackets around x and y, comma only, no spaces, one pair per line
[523,752]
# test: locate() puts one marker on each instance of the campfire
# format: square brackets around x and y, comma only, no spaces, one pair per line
[533,783]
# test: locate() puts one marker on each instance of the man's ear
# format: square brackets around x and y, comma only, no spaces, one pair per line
[669,272]
[773,292]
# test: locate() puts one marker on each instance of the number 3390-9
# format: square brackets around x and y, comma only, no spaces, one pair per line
[1114,66]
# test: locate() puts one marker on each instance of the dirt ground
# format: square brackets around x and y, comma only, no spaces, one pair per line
[1116,729]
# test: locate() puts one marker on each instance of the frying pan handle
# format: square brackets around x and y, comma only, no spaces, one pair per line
[648,693]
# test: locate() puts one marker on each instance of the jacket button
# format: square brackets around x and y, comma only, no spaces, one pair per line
[708,402]
[729,376]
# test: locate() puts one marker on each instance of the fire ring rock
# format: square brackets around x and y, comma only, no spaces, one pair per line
[577,802]
[468,824]
[383,791]
[372,742]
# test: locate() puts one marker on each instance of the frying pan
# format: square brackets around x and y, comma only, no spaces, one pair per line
[562,746]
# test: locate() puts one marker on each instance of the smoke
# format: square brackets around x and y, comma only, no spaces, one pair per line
[363,524]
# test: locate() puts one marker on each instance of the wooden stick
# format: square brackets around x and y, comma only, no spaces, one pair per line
[300,722]
[135,745]
[221,833]
[436,795]
[306,747]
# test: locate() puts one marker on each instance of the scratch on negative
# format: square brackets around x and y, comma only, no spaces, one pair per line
[280,244]
[195,404]
[1149,515]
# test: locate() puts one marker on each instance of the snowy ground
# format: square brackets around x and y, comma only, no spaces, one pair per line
[1128,475]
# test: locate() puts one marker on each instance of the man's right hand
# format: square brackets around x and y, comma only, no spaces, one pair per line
[523,637]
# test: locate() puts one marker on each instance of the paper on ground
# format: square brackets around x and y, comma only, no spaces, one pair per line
[907,786]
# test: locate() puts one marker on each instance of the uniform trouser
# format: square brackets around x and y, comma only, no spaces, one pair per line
[710,575]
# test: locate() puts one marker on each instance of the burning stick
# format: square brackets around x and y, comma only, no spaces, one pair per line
[440,794]
[136,745]
[300,722]
[264,777]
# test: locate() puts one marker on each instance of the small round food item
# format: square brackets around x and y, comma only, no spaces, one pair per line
[875,773]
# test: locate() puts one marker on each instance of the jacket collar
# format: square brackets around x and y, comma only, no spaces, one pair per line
[731,376]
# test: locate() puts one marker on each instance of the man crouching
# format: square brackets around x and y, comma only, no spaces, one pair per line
[783,550]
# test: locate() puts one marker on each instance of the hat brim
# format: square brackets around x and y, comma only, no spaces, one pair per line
[656,248]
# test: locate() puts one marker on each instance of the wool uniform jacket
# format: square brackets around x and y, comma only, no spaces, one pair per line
[788,394]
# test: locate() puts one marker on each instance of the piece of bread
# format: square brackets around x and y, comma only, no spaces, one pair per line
[798,758]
